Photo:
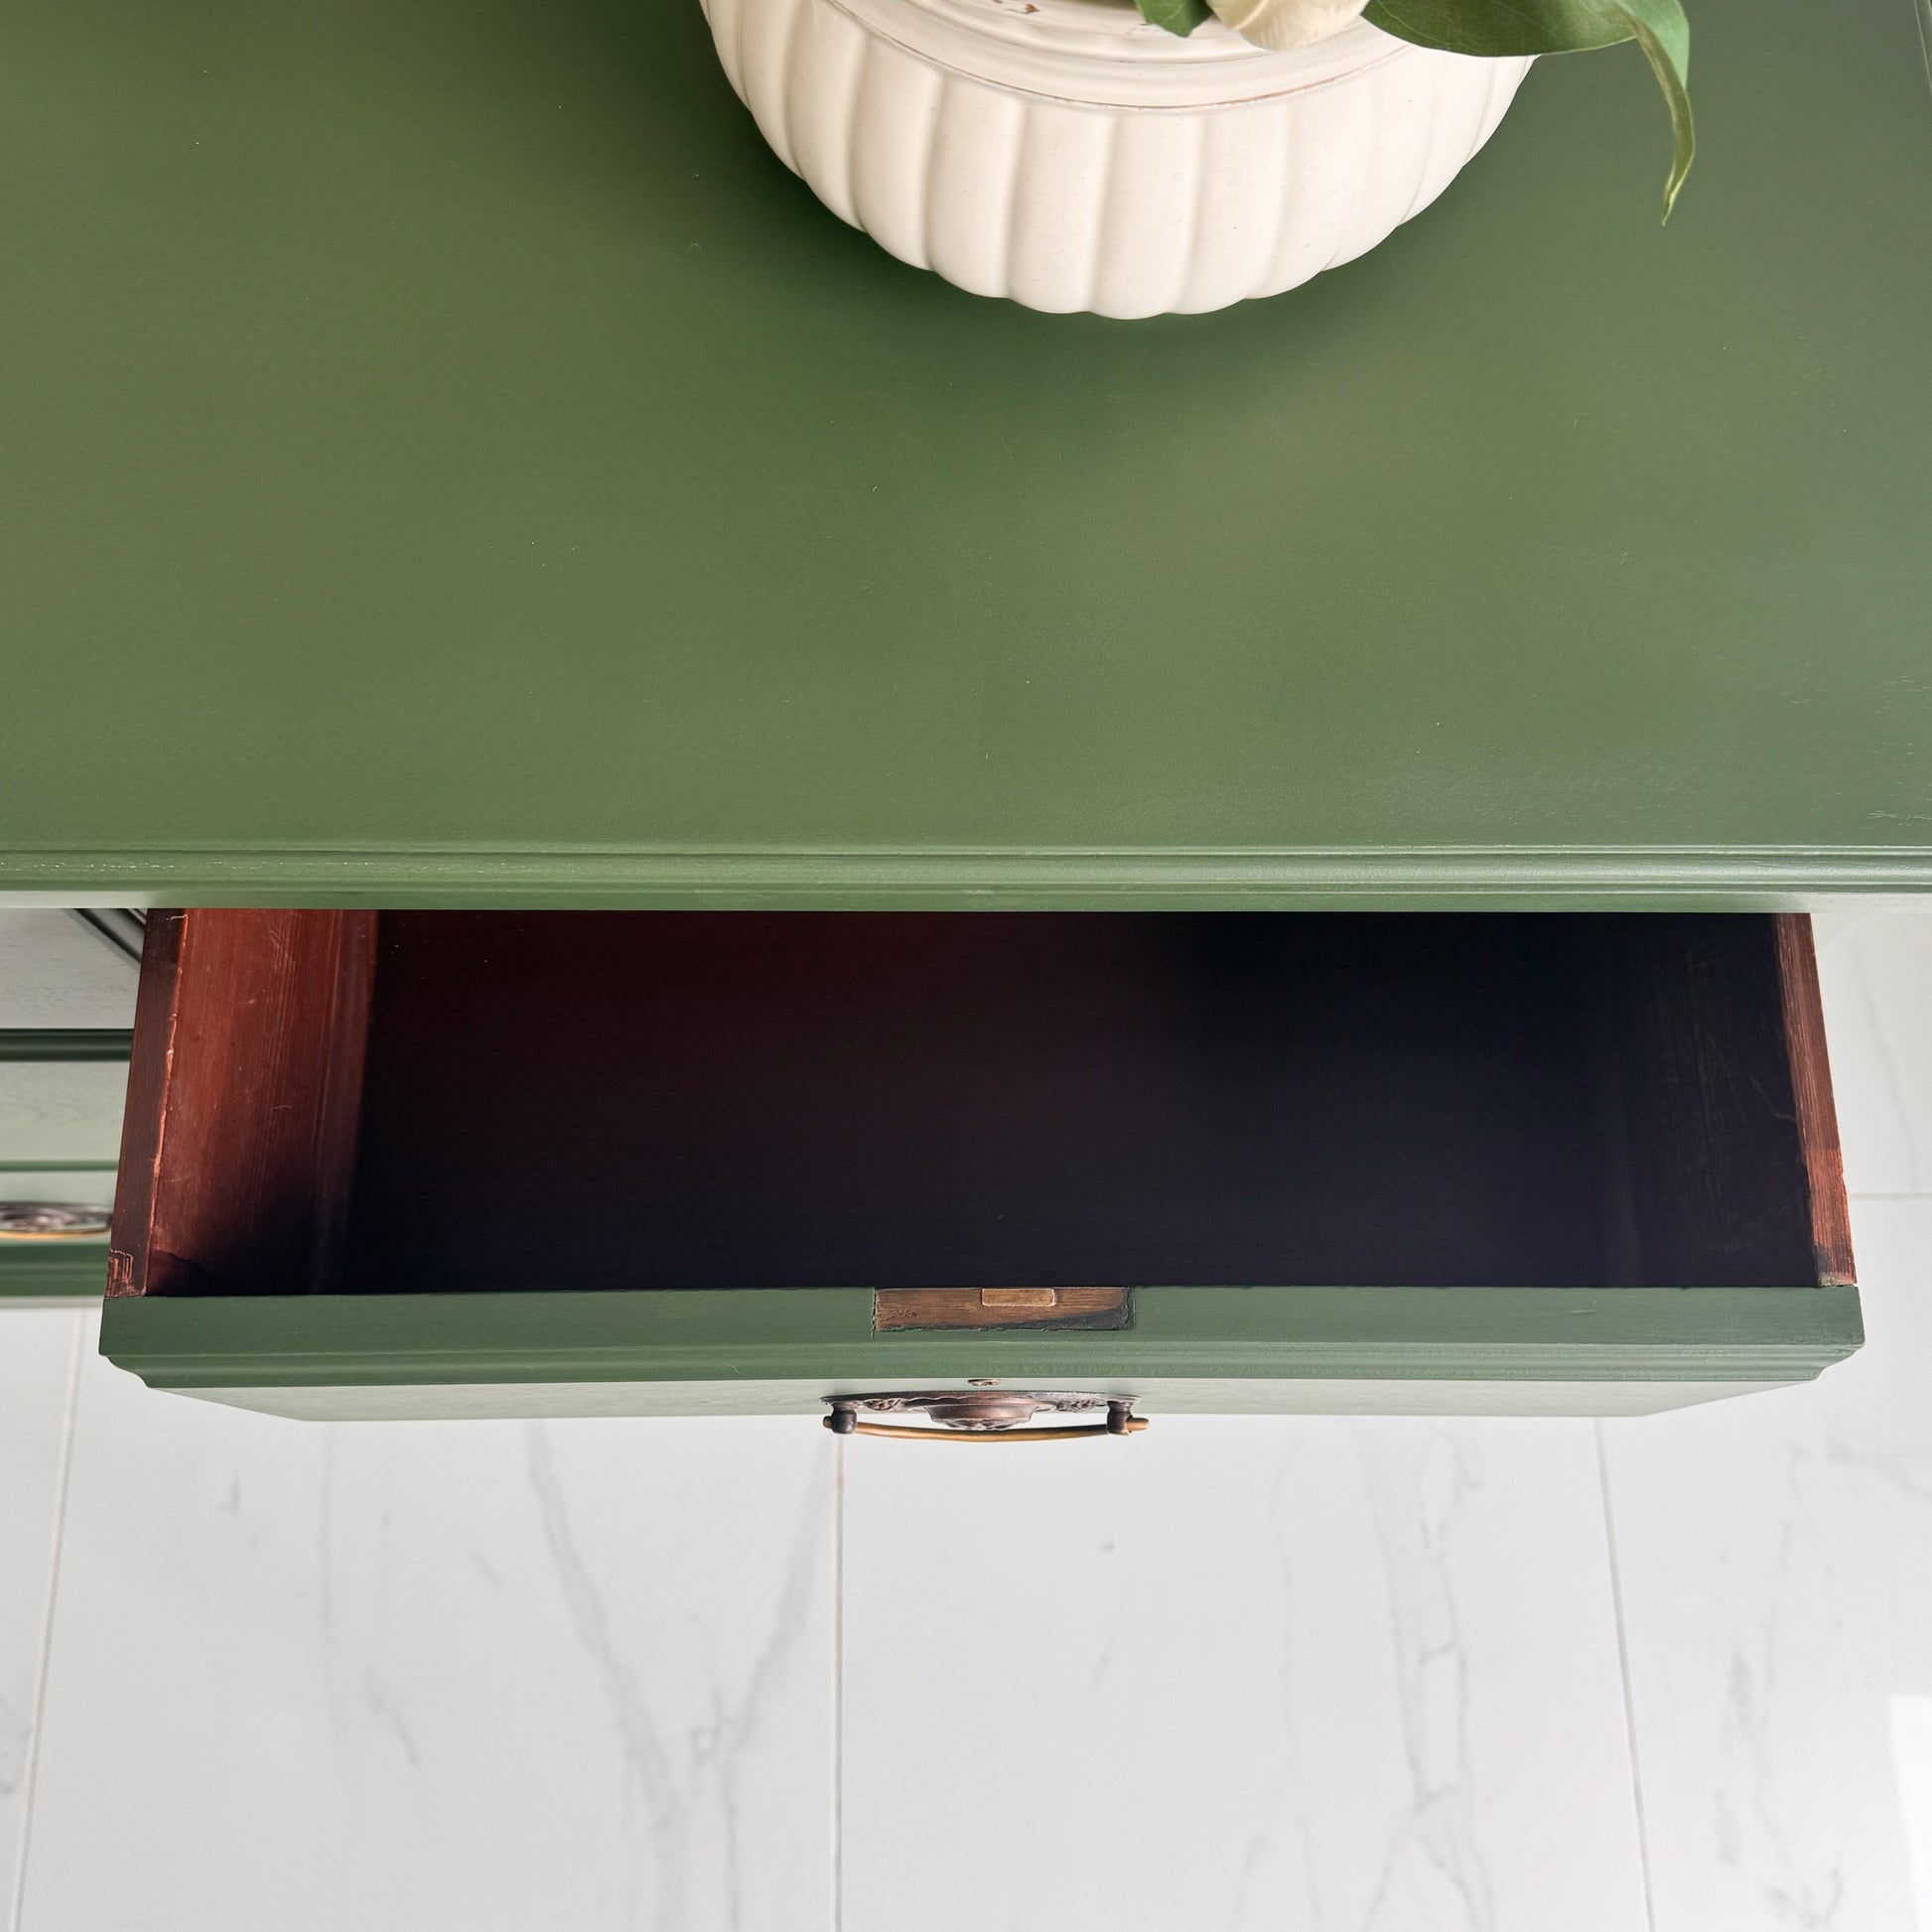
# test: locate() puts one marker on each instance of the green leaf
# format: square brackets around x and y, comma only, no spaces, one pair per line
[1177,16]
[1497,29]
[1665,37]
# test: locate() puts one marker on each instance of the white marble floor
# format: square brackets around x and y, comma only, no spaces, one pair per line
[1667,1675]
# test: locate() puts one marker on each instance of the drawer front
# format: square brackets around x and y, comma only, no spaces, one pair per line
[655,1161]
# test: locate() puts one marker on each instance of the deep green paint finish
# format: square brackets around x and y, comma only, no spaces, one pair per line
[448,460]
[42,1268]
[65,1043]
[825,1335]
[1420,879]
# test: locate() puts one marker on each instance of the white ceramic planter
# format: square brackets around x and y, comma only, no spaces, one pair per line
[1069,155]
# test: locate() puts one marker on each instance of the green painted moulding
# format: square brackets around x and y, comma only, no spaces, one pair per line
[65,1043]
[37,1271]
[992,878]
[824,1336]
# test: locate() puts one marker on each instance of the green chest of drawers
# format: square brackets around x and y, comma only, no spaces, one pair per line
[451,464]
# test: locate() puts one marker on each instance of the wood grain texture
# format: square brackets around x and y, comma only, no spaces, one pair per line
[1000,1308]
[339,1118]
[973,1102]
[1811,1093]
[143,1122]
[1695,1076]
[245,1091]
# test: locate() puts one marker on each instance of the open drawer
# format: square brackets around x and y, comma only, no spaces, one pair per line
[483,1162]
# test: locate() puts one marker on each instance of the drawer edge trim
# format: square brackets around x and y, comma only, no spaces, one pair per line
[824,1336]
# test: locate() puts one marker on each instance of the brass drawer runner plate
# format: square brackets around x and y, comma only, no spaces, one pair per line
[1000,1308]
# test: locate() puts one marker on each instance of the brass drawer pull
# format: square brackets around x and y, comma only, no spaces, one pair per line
[983,1416]
[911,1432]
[49,1221]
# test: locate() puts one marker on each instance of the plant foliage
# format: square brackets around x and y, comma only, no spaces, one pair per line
[1498,29]
[1177,16]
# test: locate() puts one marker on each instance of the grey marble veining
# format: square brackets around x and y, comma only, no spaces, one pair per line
[1241,1674]
[1414,1501]
[39,1355]
[1776,1564]
[1776,1553]
[692,1781]
[396,1675]
[1316,1675]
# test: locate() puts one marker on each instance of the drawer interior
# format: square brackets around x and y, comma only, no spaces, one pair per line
[476,1101]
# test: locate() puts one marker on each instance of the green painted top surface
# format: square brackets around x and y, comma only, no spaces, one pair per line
[447,459]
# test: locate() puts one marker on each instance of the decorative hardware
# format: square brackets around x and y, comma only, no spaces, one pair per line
[24,1220]
[1000,1308]
[982,1415]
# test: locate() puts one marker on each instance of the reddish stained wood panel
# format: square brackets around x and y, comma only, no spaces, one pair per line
[245,1090]
[145,1119]
[246,1101]
[997,1307]
[1811,1092]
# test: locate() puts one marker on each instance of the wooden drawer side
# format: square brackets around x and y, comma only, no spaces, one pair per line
[1811,1093]
[600,1101]
[244,1094]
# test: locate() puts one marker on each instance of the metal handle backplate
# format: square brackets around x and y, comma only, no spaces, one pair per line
[982,1416]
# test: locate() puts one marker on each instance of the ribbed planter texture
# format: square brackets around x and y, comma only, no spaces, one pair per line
[1069,155]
